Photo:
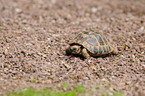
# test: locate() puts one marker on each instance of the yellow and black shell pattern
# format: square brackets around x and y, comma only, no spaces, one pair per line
[94,42]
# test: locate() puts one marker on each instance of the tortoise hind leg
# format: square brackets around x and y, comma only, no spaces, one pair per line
[85,53]
[115,50]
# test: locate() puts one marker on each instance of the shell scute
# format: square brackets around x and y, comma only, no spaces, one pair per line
[92,41]
[86,44]
[96,50]
[100,50]
[104,48]
[109,48]
[100,40]
[105,40]
[90,48]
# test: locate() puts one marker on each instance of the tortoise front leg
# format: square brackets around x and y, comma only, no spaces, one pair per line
[85,53]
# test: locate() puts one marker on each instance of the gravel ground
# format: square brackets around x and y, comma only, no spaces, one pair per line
[35,33]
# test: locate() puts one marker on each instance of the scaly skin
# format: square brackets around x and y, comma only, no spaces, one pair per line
[85,53]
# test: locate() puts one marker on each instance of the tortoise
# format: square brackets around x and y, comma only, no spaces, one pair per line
[90,44]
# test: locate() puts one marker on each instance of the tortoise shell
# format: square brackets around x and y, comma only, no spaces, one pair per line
[94,42]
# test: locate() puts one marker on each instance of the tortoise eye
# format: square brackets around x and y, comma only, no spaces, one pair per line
[74,49]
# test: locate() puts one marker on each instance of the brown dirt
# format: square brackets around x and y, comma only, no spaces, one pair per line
[34,34]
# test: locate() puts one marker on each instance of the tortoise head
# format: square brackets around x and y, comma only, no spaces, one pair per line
[75,49]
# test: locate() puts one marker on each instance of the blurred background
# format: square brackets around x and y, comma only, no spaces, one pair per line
[35,33]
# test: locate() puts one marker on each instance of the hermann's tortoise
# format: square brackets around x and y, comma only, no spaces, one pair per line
[91,44]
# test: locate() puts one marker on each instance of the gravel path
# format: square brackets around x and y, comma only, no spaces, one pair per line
[35,33]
